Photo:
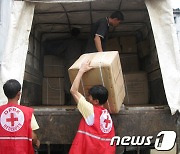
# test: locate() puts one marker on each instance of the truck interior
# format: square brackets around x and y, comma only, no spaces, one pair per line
[52,25]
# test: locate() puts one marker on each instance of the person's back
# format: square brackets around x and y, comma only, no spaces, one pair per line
[95,138]
[16,124]
[96,127]
[15,129]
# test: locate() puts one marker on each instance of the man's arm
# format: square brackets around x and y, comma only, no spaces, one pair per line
[75,85]
[98,44]
[35,140]
[34,126]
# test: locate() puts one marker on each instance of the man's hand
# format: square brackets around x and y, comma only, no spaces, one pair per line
[85,66]
[38,144]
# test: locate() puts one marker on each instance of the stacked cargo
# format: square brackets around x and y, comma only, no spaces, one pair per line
[135,80]
[136,88]
[53,81]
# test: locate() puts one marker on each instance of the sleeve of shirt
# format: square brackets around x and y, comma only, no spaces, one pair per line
[34,124]
[86,110]
[102,29]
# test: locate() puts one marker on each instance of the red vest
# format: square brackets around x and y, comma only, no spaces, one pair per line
[95,139]
[15,129]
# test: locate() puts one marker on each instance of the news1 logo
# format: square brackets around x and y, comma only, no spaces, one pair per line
[167,142]
[164,141]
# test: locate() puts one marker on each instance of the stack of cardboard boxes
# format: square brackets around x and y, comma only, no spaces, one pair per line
[136,83]
[53,81]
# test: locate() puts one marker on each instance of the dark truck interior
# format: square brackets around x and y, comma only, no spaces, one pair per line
[134,40]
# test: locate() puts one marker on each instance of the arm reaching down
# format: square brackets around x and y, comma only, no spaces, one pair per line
[35,140]
[98,44]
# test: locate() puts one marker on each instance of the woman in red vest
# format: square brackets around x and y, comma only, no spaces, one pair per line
[96,127]
[16,123]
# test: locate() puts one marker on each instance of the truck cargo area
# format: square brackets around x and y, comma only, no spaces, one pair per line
[145,110]
[133,39]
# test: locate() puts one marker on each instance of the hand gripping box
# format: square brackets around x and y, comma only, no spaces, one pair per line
[107,71]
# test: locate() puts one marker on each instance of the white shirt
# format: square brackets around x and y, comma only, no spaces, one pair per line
[34,124]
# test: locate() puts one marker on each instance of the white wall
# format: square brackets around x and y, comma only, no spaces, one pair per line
[5,8]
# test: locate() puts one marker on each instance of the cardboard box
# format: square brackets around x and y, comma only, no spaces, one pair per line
[107,71]
[113,45]
[136,86]
[53,66]
[128,44]
[129,62]
[53,91]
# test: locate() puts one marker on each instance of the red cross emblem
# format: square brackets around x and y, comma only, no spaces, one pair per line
[12,119]
[107,121]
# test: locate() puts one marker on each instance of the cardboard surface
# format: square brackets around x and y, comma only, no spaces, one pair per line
[107,71]
[129,62]
[53,91]
[136,86]
[53,66]
[113,45]
[128,44]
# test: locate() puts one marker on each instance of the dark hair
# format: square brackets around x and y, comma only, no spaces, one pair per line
[117,14]
[75,31]
[100,93]
[11,88]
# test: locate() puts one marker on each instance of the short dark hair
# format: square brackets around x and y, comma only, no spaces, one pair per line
[117,14]
[100,93]
[11,88]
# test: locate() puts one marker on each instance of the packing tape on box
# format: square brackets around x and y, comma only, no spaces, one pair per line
[57,89]
[102,79]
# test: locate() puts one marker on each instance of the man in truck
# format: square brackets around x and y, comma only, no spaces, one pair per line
[99,32]
[96,127]
[17,123]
